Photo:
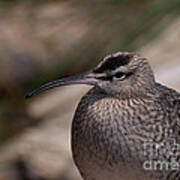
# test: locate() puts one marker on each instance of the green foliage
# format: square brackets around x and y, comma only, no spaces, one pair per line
[151,19]
[9,1]
[118,2]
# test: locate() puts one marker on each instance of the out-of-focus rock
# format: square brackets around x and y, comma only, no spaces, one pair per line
[164,55]
[45,150]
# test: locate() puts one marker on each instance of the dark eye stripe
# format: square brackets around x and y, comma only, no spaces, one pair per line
[106,78]
[117,75]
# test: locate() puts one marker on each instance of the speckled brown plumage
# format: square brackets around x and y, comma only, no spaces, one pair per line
[127,127]
[110,131]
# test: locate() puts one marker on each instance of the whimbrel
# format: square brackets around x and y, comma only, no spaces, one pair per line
[127,127]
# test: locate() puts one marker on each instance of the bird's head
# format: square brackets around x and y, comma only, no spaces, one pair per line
[121,73]
[125,74]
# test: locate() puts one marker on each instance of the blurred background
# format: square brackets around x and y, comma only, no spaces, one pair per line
[45,40]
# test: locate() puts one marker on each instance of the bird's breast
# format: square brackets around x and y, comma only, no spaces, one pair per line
[102,126]
[109,133]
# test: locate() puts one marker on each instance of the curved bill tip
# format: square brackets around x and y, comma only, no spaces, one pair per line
[29,95]
[32,93]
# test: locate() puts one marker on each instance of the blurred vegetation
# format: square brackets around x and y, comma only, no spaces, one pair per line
[107,26]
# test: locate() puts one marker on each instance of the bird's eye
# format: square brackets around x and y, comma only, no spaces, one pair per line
[120,75]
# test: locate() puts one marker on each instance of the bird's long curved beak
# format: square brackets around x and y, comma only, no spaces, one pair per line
[88,79]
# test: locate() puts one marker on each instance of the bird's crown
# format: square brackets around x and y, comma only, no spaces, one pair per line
[117,66]
[114,61]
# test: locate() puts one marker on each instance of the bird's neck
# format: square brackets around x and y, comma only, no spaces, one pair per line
[133,92]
